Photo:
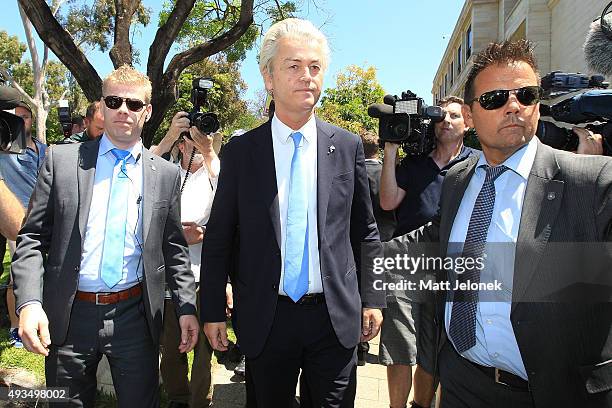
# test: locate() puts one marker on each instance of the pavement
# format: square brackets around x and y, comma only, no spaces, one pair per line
[229,391]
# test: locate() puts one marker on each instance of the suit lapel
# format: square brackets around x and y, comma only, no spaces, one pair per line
[326,167]
[86,171]
[541,205]
[149,183]
[262,158]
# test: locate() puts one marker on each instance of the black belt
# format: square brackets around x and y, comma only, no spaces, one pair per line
[503,377]
[307,299]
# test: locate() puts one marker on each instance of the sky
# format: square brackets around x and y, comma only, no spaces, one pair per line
[403,39]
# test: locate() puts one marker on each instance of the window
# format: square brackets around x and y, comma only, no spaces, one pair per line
[468,43]
[459,59]
[445,83]
[450,72]
[440,95]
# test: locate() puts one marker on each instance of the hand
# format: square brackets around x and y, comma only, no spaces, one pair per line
[194,233]
[189,333]
[34,329]
[179,124]
[216,333]
[229,299]
[203,142]
[371,319]
[588,142]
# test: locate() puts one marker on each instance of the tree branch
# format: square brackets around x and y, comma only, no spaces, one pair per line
[24,94]
[165,36]
[121,53]
[62,45]
[199,52]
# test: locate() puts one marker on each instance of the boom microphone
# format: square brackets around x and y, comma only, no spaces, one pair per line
[598,44]
[379,110]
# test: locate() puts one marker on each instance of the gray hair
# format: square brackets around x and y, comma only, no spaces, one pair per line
[303,30]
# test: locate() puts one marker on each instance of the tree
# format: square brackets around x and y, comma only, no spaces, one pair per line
[346,105]
[233,20]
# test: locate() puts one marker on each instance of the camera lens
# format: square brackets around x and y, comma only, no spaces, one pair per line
[206,122]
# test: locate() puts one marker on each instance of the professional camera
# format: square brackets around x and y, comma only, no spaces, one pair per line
[206,122]
[12,127]
[406,120]
[575,99]
[65,118]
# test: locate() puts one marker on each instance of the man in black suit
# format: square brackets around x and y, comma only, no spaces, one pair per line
[103,238]
[298,190]
[540,221]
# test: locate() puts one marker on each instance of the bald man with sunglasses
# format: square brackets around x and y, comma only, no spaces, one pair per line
[530,325]
[103,238]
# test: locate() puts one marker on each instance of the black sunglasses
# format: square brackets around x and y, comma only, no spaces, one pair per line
[527,95]
[115,102]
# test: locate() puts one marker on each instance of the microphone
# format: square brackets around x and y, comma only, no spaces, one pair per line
[137,158]
[9,98]
[390,100]
[379,110]
[598,45]
[138,200]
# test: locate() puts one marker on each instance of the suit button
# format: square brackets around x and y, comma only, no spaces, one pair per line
[274,287]
[278,253]
[76,268]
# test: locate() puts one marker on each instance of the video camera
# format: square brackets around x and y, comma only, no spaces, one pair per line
[406,120]
[206,122]
[576,99]
[65,117]
[12,127]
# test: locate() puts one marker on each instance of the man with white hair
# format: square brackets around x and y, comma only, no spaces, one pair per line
[296,190]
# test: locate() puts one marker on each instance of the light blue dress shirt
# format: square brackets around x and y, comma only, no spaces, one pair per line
[91,257]
[496,344]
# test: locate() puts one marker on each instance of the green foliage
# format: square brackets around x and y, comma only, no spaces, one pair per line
[346,105]
[224,99]
[92,25]
[209,19]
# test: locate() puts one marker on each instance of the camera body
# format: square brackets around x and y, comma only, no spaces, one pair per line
[205,122]
[65,117]
[584,101]
[12,127]
[407,120]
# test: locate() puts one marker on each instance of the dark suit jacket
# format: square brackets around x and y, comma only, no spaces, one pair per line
[561,312]
[247,197]
[48,256]
[385,220]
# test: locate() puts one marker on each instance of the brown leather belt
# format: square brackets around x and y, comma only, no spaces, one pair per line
[109,298]
[308,299]
[503,377]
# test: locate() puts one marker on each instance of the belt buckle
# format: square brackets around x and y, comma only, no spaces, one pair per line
[497,375]
[98,303]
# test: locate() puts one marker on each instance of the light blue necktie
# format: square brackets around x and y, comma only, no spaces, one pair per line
[111,270]
[462,327]
[295,281]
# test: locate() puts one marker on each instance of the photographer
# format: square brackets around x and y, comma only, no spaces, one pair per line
[94,125]
[413,190]
[20,172]
[199,167]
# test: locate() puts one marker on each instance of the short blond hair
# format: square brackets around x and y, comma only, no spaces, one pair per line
[127,75]
[297,28]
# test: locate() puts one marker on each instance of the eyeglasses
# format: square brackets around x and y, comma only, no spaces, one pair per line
[115,102]
[527,95]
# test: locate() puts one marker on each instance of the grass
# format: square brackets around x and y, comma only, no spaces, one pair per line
[11,357]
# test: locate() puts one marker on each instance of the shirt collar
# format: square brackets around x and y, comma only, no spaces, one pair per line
[106,146]
[520,162]
[283,132]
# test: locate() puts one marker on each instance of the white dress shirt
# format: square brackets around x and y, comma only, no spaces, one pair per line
[196,202]
[93,243]
[283,153]
[496,344]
